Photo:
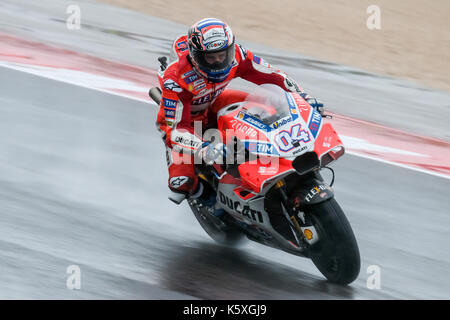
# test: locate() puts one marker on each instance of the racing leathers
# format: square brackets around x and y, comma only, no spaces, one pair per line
[188,97]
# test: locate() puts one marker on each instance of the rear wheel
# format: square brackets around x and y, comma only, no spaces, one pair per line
[221,229]
[336,254]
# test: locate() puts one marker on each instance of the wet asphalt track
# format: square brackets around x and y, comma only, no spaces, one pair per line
[82,182]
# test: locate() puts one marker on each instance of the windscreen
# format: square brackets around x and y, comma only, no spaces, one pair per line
[267,103]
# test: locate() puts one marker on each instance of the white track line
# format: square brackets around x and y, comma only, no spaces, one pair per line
[437,174]
[20,67]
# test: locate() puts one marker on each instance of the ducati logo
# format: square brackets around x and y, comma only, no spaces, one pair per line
[172,85]
[243,210]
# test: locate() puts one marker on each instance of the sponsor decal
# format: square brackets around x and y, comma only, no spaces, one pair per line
[245,129]
[213,33]
[187,74]
[169,113]
[199,87]
[177,182]
[260,147]
[215,44]
[168,103]
[201,100]
[253,121]
[292,106]
[243,210]
[169,84]
[182,46]
[315,191]
[187,142]
[191,79]
[261,62]
[207,98]
[203,92]
[327,142]
[301,103]
[281,123]
[300,150]
[314,123]
[267,170]
[198,82]
[265,148]
[216,93]
[308,234]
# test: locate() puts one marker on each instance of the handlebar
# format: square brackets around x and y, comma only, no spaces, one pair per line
[155,93]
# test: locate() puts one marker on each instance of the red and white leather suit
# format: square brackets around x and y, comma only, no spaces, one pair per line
[188,97]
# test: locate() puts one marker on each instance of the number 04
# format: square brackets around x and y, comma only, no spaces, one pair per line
[285,140]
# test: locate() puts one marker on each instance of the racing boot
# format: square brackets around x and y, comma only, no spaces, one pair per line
[206,197]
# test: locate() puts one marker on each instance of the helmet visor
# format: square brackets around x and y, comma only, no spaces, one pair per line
[215,62]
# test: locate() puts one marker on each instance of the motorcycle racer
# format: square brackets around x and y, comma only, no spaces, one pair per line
[194,89]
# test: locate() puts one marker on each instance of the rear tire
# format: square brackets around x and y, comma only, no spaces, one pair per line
[336,254]
[221,229]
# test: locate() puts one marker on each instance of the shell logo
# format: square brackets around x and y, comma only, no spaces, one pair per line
[308,234]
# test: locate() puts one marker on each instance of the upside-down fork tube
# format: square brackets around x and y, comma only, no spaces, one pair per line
[288,211]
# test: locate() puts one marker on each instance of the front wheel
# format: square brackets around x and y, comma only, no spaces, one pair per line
[336,254]
[220,230]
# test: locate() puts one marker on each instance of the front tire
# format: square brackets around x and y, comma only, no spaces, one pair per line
[336,254]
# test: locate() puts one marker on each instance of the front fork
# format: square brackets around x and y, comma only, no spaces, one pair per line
[302,229]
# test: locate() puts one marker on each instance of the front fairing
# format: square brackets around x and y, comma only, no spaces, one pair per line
[278,130]
[280,125]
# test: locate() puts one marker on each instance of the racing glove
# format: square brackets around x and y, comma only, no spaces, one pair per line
[313,102]
[212,153]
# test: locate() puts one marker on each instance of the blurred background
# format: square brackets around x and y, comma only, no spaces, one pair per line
[412,41]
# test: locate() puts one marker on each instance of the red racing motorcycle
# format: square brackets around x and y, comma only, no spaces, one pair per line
[270,184]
